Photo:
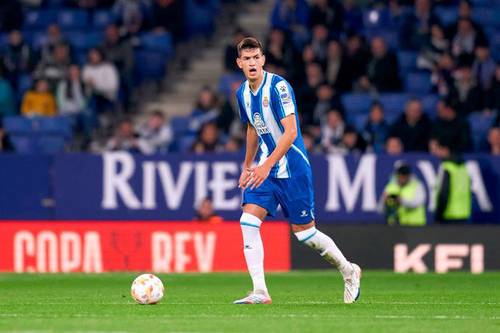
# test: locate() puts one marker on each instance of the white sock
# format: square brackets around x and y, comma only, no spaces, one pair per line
[253,250]
[326,247]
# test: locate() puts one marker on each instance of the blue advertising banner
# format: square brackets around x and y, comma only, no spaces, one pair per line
[119,185]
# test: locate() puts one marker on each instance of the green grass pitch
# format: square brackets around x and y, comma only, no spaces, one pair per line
[303,302]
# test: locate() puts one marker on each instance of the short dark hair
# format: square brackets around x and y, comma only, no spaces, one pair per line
[249,43]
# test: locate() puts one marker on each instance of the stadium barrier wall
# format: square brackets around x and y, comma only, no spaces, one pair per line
[438,249]
[100,246]
[121,186]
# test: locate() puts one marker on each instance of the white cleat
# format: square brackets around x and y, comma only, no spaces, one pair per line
[255,297]
[352,285]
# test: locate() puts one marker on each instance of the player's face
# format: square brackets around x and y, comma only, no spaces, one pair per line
[251,61]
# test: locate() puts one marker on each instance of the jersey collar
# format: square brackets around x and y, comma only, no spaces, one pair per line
[260,86]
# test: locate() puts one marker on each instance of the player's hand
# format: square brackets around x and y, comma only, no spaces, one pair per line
[245,177]
[259,174]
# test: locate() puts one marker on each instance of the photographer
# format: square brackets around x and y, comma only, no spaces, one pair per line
[404,198]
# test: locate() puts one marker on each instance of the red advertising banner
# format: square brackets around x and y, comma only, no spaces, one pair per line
[97,246]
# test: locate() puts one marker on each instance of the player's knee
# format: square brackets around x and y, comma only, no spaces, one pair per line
[305,235]
[302,227]
[250,220]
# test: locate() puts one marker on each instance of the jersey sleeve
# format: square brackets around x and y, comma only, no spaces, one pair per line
[241,108]
[285,99]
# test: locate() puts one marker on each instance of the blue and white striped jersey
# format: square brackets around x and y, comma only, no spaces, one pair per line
[273,101]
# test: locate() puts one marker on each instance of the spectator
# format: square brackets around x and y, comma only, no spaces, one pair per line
[465,39]
[449,127]
[483,69]
[231,52]
[465,11]
[17,58]
[227,116]
[205,212]
[55,68]
[206,109]
[376,129]
[307,92]
[168,16]
[453,188]
[6,98]
[433,49]
[494,94]
[119,51]
[338,68]
[40,101]
[126,139]
[101,81]
[413,127]
[464,93]
[131,13]
[383,70]
[278,53]
[494,140]
[332,131]
[351,143]
[357,56]
[442,74]
[233,145]
[404,198]
[208,139]
[54,37]
[156,134]
[394,146]
[319,42]
[417,25]
[328,13]
[309,141]
[326,100]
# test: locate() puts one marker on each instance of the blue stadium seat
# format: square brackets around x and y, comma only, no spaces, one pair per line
[157,42]
[418,83]
[23,143]
[50,144]
[393,102]
[447,15]
[356,103]
[18,125]
[39,19]
[407,61]
[186,142]
[225,82]
[57,126]
[149,65]
[200,16]
[72,19]
[358,121]
[82,40]
[480,123]
[180,125]
[487,16]
[429,103]
[103,18]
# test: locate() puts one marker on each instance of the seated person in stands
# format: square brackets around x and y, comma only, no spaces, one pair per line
[156,133]
[494,140]
[332,131]
[205,110]
[39,101]
[383,69]
[208,139]
[56,67]
[351,143]
[376,128]
[205,212]
[393,146]
[101,81]
[125,138]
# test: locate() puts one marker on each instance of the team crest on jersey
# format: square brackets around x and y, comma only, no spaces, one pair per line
[259,124]
[265,101]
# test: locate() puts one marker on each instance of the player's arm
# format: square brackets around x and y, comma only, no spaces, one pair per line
[284,143]
[252,146]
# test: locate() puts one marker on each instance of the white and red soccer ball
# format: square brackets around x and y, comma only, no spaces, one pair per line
[147,289]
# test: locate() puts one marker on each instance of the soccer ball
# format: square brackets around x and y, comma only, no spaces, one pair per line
[147,289]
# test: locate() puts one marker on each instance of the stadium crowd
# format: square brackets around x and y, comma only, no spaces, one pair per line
[387,76]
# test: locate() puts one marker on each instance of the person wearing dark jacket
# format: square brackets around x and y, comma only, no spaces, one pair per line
[413,127]
[453,187]
[449,127]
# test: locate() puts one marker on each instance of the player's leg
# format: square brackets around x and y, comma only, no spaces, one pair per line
[257,204]
[326,247]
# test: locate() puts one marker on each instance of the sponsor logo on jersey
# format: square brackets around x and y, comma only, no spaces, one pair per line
[259,124]
[285,98]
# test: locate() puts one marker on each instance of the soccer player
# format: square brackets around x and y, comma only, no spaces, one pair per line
[283,175]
